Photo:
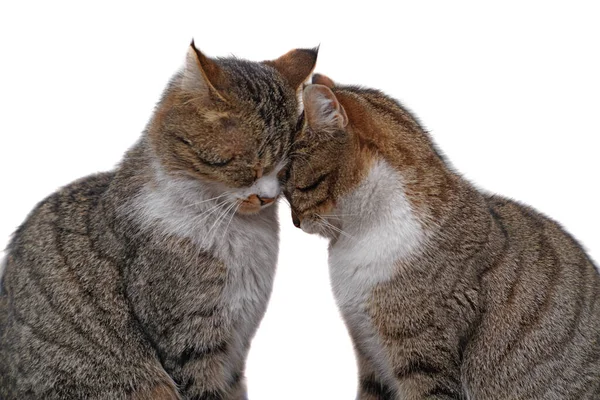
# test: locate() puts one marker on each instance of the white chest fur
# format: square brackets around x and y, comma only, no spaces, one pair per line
[205,214]
[381,229]
[246,244]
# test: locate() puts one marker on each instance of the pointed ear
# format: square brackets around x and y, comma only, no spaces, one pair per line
[320,79]
[201,74]
[296,65]
[322,108]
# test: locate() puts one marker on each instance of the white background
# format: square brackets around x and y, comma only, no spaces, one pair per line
[510,92]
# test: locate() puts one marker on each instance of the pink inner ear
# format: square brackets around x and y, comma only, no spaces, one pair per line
[323,108]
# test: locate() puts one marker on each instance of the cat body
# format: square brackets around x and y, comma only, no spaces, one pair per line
[149,282]
[447,292]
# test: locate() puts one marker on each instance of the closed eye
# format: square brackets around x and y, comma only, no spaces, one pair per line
[212,163]
[215,163]
[313,185]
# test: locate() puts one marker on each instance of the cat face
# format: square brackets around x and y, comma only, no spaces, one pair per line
[327,161]
[347,130]
[229,123]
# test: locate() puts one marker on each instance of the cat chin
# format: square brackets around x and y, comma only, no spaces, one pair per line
[248,209]
[254,204]
[315,227]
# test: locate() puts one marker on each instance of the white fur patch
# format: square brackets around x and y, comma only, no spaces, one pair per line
[380,230]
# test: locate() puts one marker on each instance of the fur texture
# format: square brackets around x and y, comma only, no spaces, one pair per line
[149,282]
[447,292]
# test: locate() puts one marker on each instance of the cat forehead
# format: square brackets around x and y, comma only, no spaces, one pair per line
[259,84]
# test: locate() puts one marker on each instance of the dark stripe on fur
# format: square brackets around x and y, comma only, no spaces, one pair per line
[192,354]
[376,388]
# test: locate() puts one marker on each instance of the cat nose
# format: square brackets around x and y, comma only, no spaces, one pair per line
[295,220]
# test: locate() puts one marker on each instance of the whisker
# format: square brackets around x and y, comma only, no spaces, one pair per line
[231,218]
[340,216]
[327,227]
[204,201]
[335,228]
[208,212]
[216,224]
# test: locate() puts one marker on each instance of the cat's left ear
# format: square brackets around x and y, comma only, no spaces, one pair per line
[323,110]
[296,65]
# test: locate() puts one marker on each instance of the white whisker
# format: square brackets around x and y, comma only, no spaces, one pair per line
[216,224]
[204,201]
[208,212]
[231,219]
[335,228]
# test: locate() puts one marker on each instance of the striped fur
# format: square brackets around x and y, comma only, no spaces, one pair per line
[484,298]
[149,282]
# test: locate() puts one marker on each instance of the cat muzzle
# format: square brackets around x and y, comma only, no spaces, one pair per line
[253,204]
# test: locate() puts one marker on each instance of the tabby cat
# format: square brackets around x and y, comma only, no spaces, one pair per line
[149,282]
[447,292]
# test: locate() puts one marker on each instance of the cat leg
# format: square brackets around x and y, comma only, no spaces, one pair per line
[425,372]
[215,372]
[238,391]
[237,386]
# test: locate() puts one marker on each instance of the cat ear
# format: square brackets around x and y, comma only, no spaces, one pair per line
[322,108]
[296,65]
[320,79]
[201,74]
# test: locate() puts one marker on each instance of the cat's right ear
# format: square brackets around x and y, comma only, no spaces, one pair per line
[201,75]
[296,65]
[323,110]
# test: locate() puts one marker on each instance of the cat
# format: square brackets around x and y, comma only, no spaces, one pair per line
[447,292]
[149,281]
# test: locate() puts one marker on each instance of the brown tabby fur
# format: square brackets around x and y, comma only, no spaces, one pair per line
[105,296]
[498,302]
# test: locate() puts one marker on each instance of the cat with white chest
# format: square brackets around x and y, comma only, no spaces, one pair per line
[447,292]
[149,281]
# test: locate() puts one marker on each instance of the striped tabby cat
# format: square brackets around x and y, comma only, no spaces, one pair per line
[149,282]
[447,292]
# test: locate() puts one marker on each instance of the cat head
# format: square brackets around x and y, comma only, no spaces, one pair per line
[229,123]
[346,131]
[325,162]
